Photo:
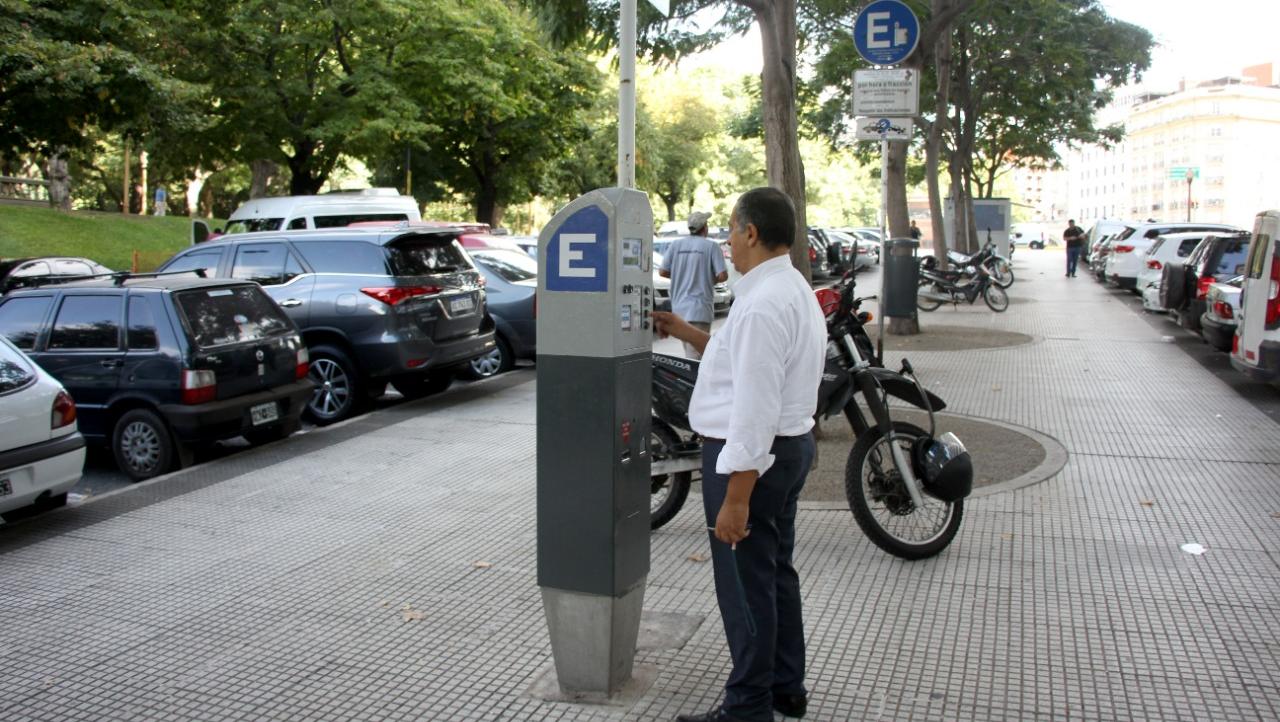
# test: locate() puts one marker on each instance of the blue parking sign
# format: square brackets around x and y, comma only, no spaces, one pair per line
[578,253]
[886,32]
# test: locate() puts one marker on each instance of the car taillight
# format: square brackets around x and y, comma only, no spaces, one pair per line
[1202,286]
[1235,343]
[1156,265]
[1273,296]
[1223,309]
[813,255]
[1123,249]
[64,411]
[198,386]
[391,295]
[302,362]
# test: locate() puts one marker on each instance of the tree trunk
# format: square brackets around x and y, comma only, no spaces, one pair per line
[126,194]
[785,169]
[55,171]
[263,171]
[194,186]
[487,202]
[933,142]
[142,171]
[670,202]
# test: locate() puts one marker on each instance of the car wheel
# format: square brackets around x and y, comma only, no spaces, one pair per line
[499,360]
[421,385]
[338,393]
[142,445]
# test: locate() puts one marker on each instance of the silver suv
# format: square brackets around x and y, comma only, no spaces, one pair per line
[375,305]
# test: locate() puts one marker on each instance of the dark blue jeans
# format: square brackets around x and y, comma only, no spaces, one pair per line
[759,579]
[1073,257]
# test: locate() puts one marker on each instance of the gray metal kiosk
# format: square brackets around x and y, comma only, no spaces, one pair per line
[595,296]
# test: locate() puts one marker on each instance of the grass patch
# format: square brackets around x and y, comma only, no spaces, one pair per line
[108,238]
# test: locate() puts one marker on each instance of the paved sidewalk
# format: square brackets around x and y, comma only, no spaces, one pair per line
[388,572]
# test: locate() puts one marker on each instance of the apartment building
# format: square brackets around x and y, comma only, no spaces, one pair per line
[1226,131]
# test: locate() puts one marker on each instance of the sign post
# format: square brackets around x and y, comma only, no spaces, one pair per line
[1188,173]
[885,32]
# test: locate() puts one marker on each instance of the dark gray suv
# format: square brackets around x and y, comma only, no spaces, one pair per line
[375,305]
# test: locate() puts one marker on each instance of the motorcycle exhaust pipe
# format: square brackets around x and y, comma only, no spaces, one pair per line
[934,296]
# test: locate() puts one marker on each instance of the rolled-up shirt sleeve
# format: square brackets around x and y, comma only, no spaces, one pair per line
[758,351]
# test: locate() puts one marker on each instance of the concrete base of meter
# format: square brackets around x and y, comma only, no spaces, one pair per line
[593,638]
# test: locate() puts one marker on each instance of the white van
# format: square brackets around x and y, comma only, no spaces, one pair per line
[1256,348]
[332,210]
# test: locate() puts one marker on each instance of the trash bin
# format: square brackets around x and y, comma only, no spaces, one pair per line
[901,277]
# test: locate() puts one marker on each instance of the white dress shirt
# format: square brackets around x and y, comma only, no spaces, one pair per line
[760,372]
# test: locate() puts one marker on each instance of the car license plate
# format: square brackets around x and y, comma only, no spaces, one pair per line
[5,487]
[264,413]
[461,304]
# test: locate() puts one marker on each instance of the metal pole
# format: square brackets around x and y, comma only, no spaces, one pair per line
[1190,178]
[884,241]
[627,95]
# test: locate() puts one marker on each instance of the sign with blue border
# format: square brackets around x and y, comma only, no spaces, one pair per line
[886,32]
[578,253]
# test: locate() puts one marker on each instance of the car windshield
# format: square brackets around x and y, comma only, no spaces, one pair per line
[15,369]
[509,265]
[253,225]
[427,255]
[221,316]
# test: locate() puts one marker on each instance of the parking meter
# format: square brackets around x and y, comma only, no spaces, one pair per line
[595,297]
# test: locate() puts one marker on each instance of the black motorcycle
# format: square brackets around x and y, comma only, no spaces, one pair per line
[953,286]
[998,266]
[905,485]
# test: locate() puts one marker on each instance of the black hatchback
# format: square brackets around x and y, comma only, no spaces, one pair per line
[160,364]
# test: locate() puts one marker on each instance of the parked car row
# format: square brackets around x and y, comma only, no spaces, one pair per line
[1212,279]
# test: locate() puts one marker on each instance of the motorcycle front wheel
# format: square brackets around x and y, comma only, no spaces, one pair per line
[667,492]
[882,506]
[996,298]
[1001,272]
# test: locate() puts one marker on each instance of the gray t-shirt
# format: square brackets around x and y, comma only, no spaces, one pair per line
[693,262]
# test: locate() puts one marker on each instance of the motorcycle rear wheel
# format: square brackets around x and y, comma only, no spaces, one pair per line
[928,304]
[881,505]
[996,298]
[667,492]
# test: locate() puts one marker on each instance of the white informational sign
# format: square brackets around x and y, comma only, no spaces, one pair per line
[886,93]
[883,128]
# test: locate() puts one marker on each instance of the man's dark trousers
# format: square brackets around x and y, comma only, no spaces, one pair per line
[772,659]
[1073,257]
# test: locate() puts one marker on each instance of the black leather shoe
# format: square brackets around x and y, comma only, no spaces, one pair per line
[790,705]
[715,715]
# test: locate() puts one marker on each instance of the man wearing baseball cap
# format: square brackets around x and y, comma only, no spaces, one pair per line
[695,264]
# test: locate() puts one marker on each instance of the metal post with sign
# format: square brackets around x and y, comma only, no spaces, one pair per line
[885,100]
[595,297]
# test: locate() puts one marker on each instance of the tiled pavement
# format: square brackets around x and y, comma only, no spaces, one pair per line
[290,591]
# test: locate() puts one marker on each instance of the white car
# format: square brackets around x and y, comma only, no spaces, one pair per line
[41,452]
[1171,248]
[1125,261]
[1256,348]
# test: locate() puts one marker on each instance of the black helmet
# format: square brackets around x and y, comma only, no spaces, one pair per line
[944,467]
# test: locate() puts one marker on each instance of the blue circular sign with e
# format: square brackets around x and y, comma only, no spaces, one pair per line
[886,32]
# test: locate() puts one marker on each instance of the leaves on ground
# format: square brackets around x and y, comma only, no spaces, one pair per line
[698,557]
[409,614]
[1147,502]
[1007,536]
[482,565]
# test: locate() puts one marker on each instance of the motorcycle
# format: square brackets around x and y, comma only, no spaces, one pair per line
[938,287]
[998,266]
[905,486]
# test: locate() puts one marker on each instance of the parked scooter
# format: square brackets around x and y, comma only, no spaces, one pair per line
[998,266]
[905,486]
[953,286]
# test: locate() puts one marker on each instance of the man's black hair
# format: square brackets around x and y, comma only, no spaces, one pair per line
[771,212]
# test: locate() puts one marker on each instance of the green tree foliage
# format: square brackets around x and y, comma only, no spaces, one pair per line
[1029,79]
[673,155]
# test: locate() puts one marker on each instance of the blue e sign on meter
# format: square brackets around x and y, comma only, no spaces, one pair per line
[886,32]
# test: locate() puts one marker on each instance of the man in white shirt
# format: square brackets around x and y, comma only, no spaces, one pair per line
[754,403]
[694,263]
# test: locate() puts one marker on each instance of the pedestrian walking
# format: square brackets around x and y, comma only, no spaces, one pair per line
[695,264]
[753,405]
[915,231]
[162,201]
[1074,236]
